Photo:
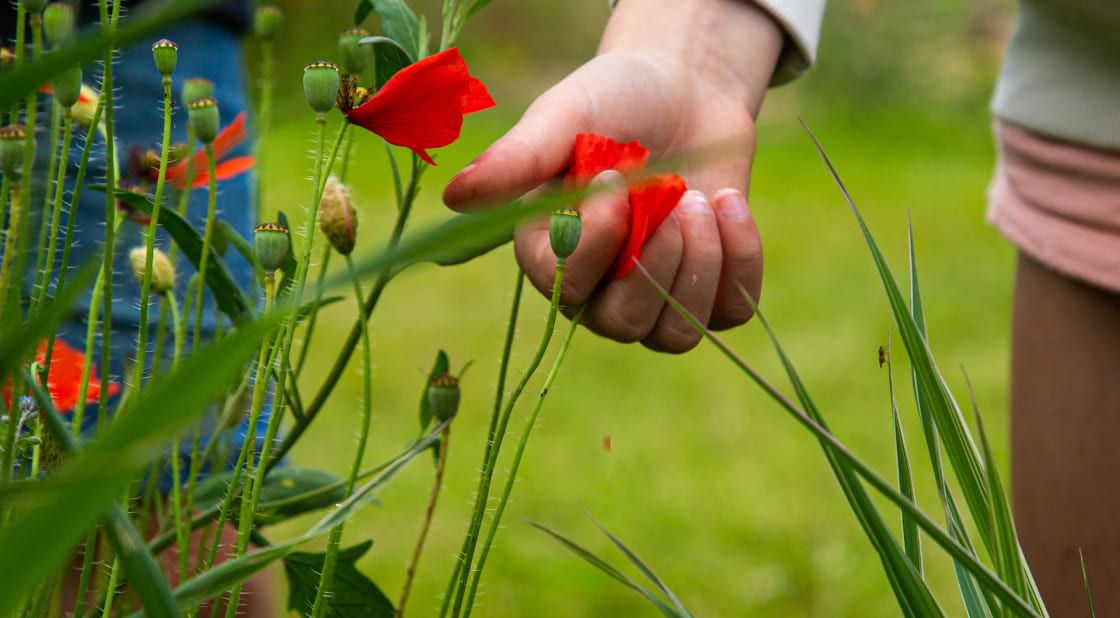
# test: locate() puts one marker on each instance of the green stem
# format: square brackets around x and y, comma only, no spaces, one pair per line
[60,184]
[7,261]
[108,26]
[47,221]
[207,240]
[326,578]
[153,229]
[410,573]
[264,121]
[320,289]
[488,470]
[507,349]
[5,272]
[496,521]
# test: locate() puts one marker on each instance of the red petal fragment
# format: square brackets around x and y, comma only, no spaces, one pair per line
[651,201]
[226,169]
[595,153]
[227,140]
[477,97]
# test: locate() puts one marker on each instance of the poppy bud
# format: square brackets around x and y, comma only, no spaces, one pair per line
[337,217]
[67,86]
[177,152]
[7,58]
[86,107]
[11,148]
[564,229]
[203,114]
[443,396]
[149,162]
[33,6]
[267,22]
[163,273]
[271,243]
[195,88]
[166,55]
[354,57]
[58,23]
[320,85]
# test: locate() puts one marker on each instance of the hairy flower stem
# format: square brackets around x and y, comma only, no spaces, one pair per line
[60,185]
[153,229]
[488,470]
[207,241]
[7,261]
[26,169]
[507,349]
[326,578]
[46,220]
[108,27]
[264,122]
[5,275]
[496,521]
[410,573]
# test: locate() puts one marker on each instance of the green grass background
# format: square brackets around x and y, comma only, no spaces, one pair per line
[725,496]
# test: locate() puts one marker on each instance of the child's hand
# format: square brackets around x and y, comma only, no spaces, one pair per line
[677,77]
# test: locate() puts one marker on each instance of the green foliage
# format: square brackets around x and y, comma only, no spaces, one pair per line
[288,492]
[441,366]
[353,595]
[398,22]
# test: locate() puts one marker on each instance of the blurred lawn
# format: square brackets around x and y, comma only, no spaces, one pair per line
[729,500]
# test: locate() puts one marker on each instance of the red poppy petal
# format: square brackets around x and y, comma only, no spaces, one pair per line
[477,97]
[225,169]
[650,204]
[422,105]
[423,154]
[596,153]
[226,140]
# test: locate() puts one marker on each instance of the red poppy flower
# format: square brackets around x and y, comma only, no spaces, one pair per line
[422,105]
[651,198]
[65,377]
[226,140]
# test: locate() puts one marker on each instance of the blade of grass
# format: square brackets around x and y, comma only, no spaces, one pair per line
[643,567]
[912,543]
[1085,578]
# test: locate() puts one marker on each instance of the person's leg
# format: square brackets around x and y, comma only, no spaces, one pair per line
[1065,436]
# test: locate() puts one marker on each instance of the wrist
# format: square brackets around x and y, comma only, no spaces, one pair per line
[732,45]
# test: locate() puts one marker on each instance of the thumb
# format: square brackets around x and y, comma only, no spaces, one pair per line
[536,149]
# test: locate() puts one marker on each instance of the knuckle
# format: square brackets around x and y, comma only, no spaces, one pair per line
[624,324]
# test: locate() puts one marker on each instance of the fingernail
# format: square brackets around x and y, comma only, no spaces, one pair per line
[463,172]
[610,180]
[730,204]
[694,203]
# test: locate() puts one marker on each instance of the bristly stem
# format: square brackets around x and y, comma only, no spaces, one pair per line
[264,122]
[322,595]
[488,470]
[207,240]
[503,368]
[46,220]
[410,573]
[153,229]
[108,26]
[5,275]
[496,521]
[60,186]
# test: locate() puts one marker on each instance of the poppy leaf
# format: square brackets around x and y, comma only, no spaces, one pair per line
[287,492]
[397,22]
[231,300]
[440,367]
[353,595]
[390,57]
[289,266]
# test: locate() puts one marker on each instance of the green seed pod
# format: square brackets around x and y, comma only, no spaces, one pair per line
[33,7]
[352,56]
[267,22]
[271,242]
[195,88]
[443,396]
[11,148]
[204,117]
[320,85]
[67,86]
[58,23]
[166,55]
[337,217]
[163,273]
[564,229]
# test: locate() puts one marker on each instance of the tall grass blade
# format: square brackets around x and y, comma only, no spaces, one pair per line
[644,568]
[911,542]
[1085,578]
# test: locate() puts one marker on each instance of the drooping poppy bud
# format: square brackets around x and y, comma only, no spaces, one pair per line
[353,57]
[163,273]
[337,217]
[443,396]
[271,243]
[166,56]
[33,7]
[195,88]
[11,148]
[204,117]
[320,85]
[267,22]
[58,23]
[7,58]
[67,86]
[564,229]
[86,107]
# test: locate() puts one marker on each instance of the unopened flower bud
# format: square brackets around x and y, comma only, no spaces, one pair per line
[443,396]
[166,56]
[58,23]
[353,57]
[320,85]
[195,88]
[337,217]
[11,148]
[267,22]
[204,117]
[163,273]
[86,107]
[67,86]
[564,229]
[7,58]
[33,6]
[271,242]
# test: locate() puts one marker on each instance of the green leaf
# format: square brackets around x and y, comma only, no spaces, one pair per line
[362,12]
[606,567]
[18,344]
[288,492]
[353,595]
[398,22]
[290,264]
[231,300]
[440,367]
[474,247]
[243,246]
[389,58]
[91,43]
[645,569]
[912,543]
[1085,578]
[476,7]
